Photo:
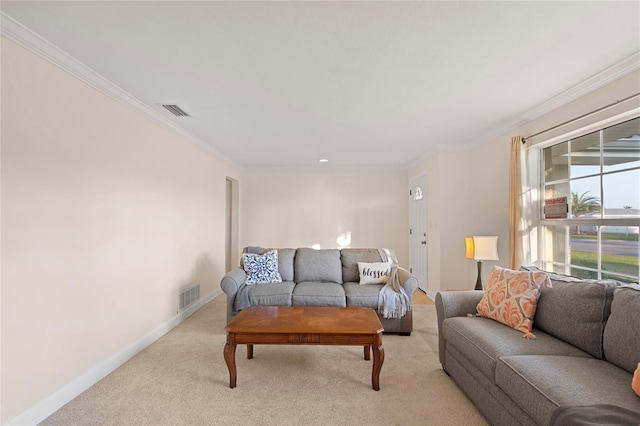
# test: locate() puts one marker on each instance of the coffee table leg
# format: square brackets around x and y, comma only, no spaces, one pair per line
[378,359]
[367,353]
[230,359]
[249,351]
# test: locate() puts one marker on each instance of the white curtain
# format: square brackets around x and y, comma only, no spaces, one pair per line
[523,204]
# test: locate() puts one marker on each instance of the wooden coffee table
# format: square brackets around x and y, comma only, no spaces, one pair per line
[305,325]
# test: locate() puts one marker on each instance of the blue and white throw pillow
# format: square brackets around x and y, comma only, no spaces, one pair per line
[262,268]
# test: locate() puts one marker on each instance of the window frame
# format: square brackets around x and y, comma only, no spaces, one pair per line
[546,226]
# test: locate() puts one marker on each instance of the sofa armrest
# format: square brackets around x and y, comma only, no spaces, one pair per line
[408,282]
[231,282]
[457,303]
[454,304]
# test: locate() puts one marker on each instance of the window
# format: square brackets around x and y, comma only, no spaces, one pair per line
[417,194]
[599,174]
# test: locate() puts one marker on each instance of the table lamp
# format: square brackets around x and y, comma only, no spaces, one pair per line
[479,249]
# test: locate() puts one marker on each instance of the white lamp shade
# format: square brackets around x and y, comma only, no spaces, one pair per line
[485,248]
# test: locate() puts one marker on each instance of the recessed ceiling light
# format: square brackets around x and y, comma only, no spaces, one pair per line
[323,160]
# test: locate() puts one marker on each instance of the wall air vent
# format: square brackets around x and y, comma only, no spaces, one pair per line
[188,297]
[176,110]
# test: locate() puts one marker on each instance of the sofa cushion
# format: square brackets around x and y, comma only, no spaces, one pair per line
[285,260]
[576,312]
[497,408]
[541,383]
[512,296]
[622,332]
[261,268]
[596,414]
[285,263]
[635,383]
[484,341]
[274,294]
[553,276]
[350,258]
[362,295]
[311,293]
[318,265]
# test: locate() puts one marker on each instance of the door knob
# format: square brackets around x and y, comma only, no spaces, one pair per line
[423,243]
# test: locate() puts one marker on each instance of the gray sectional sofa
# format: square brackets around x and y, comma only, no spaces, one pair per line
[586,349]
[326,277]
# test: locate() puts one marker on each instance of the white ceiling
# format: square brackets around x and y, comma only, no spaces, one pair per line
[363,84]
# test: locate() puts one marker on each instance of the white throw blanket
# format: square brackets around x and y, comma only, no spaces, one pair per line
[393,301]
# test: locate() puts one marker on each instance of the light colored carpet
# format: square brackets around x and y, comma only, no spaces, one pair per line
[182,379]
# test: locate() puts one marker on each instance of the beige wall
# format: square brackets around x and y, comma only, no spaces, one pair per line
[299,209]
[105,218]
[469,191]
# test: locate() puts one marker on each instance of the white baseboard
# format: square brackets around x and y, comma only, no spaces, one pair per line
[55,401]
[431,295]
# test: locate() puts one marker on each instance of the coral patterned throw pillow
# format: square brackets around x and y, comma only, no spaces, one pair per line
[512,296]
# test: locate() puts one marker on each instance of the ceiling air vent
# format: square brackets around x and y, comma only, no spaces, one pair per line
[176,110]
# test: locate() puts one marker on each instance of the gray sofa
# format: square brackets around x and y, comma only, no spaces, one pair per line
[586,349]
[326,277]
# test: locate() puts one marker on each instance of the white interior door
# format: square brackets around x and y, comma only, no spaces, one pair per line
[418,230]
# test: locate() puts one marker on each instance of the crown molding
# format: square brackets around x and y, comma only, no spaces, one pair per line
[439,149]
[591,84]
[24,37]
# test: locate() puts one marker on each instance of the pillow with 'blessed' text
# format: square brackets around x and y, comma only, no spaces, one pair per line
[374,273]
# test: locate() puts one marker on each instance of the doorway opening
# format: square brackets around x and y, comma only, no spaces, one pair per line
[231,219]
